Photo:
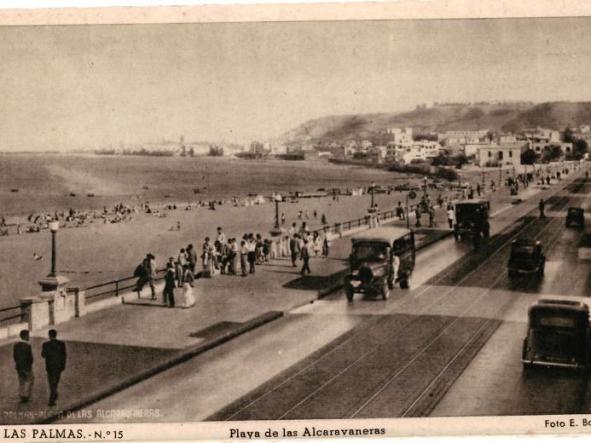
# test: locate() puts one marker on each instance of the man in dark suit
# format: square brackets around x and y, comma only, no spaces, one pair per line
[23,359]
[54,353]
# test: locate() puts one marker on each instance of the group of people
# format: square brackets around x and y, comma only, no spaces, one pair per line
[53,352]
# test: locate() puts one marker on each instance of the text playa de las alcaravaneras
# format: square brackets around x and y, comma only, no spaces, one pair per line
[308,431]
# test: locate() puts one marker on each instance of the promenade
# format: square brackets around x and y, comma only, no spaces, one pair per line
[111,349]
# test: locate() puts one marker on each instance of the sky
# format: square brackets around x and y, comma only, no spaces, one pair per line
[68,87]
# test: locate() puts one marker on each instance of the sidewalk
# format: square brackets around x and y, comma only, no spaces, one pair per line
[111,349]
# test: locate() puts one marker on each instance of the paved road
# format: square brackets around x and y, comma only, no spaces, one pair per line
[450,346]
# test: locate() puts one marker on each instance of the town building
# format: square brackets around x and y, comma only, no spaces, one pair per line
[494,155]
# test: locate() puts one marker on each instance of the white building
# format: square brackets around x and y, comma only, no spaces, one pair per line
[401,136]
[500,155]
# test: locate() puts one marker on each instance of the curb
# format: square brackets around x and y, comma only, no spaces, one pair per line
[166,364]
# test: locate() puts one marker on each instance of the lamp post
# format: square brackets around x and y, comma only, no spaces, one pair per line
[53,281]
[371,191]
[53,227]
[276,231]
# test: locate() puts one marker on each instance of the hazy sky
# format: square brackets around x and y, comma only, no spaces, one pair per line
[77,86]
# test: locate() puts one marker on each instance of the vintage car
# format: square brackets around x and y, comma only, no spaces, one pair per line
[372,261]
[472,216]
[558,335]
[575,216]
[526,257]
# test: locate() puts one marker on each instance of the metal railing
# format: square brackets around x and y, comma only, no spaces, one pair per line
[116,287]
[11,317]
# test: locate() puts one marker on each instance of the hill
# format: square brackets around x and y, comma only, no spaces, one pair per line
[505,117]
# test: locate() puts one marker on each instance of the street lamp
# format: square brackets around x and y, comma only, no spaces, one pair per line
[53,227]
[53,282]
[276,231]
[371,191]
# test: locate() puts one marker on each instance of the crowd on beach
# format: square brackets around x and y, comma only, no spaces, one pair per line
[223,255]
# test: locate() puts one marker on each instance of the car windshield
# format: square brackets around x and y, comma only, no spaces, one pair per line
[522,251]
[555,320]
[370,252]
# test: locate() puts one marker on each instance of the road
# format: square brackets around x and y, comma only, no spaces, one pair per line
[449,346]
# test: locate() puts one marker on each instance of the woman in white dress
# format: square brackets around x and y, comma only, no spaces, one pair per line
[188,297]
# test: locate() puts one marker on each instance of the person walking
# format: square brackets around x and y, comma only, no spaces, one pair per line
[169,285]
[252,253]
[294,247]
[541,207]
[54,353]
[23,360]
[221,236]
[147,275]
[418,216]
[282,218]
[305,255]
[451,216]
[191,257]
[243,257]
[188,297]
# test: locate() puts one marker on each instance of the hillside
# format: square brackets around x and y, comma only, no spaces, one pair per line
[506,117]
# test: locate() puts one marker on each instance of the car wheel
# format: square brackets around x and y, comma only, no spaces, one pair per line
[527,366]
[390,284]
[456,236]
[512,274]
[349,292]
[542,269]
[404,283]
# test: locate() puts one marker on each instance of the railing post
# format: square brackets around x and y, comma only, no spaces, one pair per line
[116,288]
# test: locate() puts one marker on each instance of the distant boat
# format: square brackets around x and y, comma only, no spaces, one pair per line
[90,195]
[145,187]
[196,191]
[14,190]
[72,194]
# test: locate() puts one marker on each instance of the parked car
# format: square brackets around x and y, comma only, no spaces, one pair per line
[527,258]
[472,216]
[557,335]
[372,261]
[575,216]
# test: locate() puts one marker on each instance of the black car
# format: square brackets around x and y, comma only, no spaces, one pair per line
[472,217]
[558,335]
[575,216]
[526,258]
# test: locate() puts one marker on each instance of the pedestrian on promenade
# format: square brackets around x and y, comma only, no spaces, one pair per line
[400,211]
[478,189]
[179,272]
[541,207]
[221,236]
[191,257]
[169,284]
[323,220]
[147,275]
[305,255]
[54,353]
[316,244]
[206,254]
[23,360]
[188,297]
[325,246]
[418,216]
[431,216]
[243,257]
[234,257]
[315,213]
[260,257]
[182,257]
[451,216]
[282,218]
[293,229]
[294,247]
[252,254]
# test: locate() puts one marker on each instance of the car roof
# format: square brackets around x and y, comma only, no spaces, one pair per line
[474,201]
[575,208]
[382,234]
[525,242]
[560,304]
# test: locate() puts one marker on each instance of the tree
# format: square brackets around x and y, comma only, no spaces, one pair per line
[568,136]
[528,157]
[553,153]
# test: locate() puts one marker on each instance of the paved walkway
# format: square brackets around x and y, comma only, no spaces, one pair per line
[112,348]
